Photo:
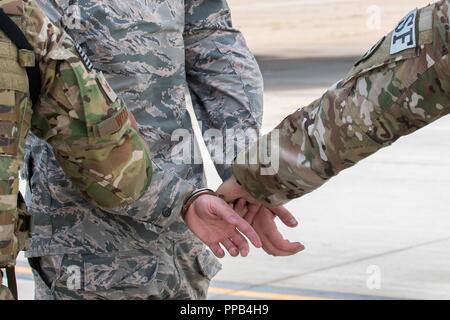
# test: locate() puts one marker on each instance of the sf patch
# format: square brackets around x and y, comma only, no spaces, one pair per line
[405,34]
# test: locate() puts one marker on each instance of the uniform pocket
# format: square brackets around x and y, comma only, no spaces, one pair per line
[15,116]
[208,264]
[8,240]
[13,76]
[119,271]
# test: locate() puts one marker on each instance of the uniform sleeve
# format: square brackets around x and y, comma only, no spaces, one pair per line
[387,95]
[224,80]
[84,121]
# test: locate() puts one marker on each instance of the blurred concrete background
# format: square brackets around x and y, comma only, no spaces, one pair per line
[380,230]
[390,215]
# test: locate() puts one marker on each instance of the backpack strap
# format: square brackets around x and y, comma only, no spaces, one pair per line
[13,32]
[12,281]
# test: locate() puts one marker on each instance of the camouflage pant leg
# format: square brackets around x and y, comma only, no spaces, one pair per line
[41,290]
[196,267]
[45,271]
[171,270]
[115,276]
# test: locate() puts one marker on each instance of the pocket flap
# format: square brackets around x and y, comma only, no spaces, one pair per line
[209,265]
[113,124]
[119,271]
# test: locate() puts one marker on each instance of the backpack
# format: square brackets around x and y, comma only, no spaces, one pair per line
[20,84]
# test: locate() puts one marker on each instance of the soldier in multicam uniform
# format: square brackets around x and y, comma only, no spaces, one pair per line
[74,110]
[401,85]
[150,52]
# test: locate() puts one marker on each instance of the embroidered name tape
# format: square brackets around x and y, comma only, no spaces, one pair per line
[404,36]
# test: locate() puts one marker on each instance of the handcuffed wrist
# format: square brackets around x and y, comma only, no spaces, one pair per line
[194,195]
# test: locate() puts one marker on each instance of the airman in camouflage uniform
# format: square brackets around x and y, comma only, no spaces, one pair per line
[151,52]
[401,85]
[76,112]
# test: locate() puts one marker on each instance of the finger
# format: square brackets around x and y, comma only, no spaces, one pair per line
[241,204]
[223,211]
[280,246]
[231,248]
[252,212]
[285,216]
[241,207]
[269,247]
[242,243]
[217,250]
[274,240]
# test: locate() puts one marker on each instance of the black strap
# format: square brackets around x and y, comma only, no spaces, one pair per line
[16,35]
[12,281]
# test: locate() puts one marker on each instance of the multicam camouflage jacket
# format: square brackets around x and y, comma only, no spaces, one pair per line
[151,53]
[77,113]
[402,84]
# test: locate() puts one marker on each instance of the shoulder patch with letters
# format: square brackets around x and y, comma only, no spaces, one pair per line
[405,34]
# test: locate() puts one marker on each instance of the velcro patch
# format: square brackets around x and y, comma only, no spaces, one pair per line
[405,34]
[7,98]
[27,59]
[113,124]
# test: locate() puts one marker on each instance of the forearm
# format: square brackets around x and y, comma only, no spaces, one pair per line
[162,202]
[373,107]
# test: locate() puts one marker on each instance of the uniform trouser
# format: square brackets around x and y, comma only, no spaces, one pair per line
[179,270]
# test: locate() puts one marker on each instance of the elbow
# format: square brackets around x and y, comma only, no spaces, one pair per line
[128,178]
[113,178]
[127,189]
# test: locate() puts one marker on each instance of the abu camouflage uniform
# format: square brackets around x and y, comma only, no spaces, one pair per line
[402,84]
[150,52]
[76,112]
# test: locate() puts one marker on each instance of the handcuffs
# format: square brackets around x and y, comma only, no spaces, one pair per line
[194,195]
